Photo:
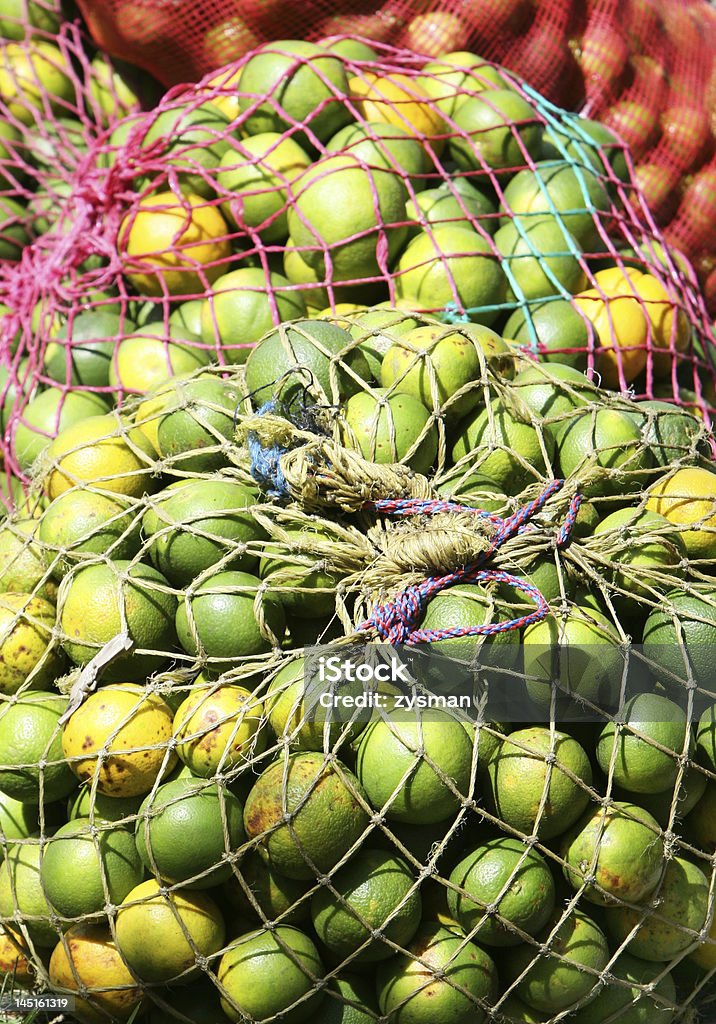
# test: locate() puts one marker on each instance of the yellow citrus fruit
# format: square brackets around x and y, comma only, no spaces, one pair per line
[87,960]
[14,957]
[121,735]
[172,247]
[399,100]
[620,327]
[669,324]
[161,934]
[614,281]
[33,74]
[26,654]
[217,728]
[688,498]
[102,451]
[142,362]
[227,100]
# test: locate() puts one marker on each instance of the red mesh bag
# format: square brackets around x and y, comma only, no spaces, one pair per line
[180,235]
[646,67]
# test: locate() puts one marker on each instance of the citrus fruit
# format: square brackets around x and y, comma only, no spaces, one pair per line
[575,196]
[267,973]
[255,173]
[27,656]
[344,213]
[168,246]
[34,75]
[554,329]
[301,362]
[672,925]
[256,890]
[13,383]
[294,82]
[441,979]
[517,882]
[428,763]
[510,452]
[114,88]
[451,264]
[627,750]
[88,961]
[240,310]
[46,415]
[194,433]
[552,392]
[305,278]
[620,329]
[673,434]
[670,330]
[630,1004]
[495,128]
[579,650]
[476,489]
[14,962]
[539,258]
[388,428]
[620,848]
[462,607]
[211,815]
[193,524]
[639,544]
[706,738]
[185,320]
[306,814]
[453,77]
[457,202]
[687,497]
[97,807]
[399,100]
[19,18]
[297,574]
[22,899]
[85,869]
[81,524]
[514,1011]
[161,934]
[375,892]
[293,711]
[434,363]
[120,737]
[101,601]
[23,568]
[704,956]
[218,619]
[350,999]
[384,146]
[32,764]
[144,360]
[188,140]
[349,49]
[604,451]
[527,784]
[102,451]
[218,728]
[82,353]
[593,142]
[556,979]
[18,819]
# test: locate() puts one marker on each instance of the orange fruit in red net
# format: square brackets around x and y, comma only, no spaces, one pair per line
[399,100]
[172,246]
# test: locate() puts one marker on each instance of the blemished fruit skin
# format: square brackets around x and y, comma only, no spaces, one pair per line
[311,789]
[88,958]
[262,979]
[621,847]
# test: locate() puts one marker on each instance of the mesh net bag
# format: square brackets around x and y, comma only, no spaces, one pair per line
[645,67]
[405,696]
[297,180]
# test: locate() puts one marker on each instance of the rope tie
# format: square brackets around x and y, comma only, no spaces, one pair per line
[396,620]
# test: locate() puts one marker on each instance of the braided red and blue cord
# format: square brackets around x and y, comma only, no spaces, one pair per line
[396,621]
